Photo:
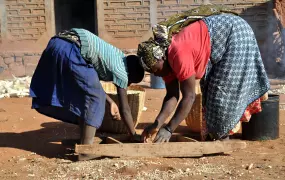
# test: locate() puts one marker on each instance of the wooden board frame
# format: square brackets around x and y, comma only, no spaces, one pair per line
[181,147]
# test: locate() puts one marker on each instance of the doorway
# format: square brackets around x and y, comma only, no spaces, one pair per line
[75,14]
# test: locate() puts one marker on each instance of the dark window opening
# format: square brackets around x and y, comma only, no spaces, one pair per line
[75,14]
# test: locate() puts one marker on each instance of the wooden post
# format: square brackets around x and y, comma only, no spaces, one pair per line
[50,19]
[3,20]
[100,18]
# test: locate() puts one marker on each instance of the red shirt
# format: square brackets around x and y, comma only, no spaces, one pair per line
[189,52]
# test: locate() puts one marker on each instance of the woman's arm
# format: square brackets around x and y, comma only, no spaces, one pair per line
[114,110]
[169,102]
[168,106]
[125,110]
[109,100]
[188,96]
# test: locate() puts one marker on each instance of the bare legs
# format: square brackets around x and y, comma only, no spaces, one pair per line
[87,134]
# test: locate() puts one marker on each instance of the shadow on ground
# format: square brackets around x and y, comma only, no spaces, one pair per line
[44,141]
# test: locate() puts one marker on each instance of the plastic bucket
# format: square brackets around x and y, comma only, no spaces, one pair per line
[263,125]
[156,82]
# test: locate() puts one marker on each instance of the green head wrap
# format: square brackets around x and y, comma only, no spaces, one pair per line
[149,51]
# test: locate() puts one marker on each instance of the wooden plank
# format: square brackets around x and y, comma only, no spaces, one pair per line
[123,138]
[171,149]
[120,137]
[73,142]
[110,140]
[276,81]
[180,138]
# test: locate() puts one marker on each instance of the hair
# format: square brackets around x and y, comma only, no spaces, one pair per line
[135,70]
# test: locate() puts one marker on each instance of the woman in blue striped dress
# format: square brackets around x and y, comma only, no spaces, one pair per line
[66,83]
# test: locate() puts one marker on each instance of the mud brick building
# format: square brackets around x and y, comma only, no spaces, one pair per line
[27,25]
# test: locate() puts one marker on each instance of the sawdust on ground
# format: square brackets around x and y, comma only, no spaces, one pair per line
[30,149]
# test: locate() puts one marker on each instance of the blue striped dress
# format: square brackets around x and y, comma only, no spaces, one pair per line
[108,61]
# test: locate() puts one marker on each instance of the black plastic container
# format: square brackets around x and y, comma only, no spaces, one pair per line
[263,125]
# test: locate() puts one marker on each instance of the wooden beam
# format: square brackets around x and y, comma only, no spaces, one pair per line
[73,142]
[171,149]
[180,138]
[110,140]
[3,19]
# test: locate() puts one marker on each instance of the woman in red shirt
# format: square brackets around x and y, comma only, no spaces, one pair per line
[222,51]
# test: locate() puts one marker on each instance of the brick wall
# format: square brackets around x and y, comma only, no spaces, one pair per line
[256,12]
[18,63]
[130,20]
[26,19]
[123,23]
[127,18]
[25,28]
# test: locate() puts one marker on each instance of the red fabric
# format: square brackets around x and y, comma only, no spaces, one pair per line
[189,52]
[253,108]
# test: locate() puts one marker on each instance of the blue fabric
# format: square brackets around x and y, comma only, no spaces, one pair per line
[65,87]
[235,75]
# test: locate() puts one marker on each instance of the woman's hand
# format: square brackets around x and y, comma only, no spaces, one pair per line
[149,132]
[163,135]
[115,111]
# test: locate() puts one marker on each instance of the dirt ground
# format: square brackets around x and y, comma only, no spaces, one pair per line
[30,149]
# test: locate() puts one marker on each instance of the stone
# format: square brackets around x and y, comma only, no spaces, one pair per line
[1,69]
[7,54]
[22,159]
[19,59]
[250,166]
[31,59]
[4,66]
[30,69]
[28,54]
[19,54]
[6,74]
[2,63]
[17,69]
[9,60]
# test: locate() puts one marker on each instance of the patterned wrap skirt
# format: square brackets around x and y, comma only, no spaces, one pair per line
[235,75]
[67,88]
